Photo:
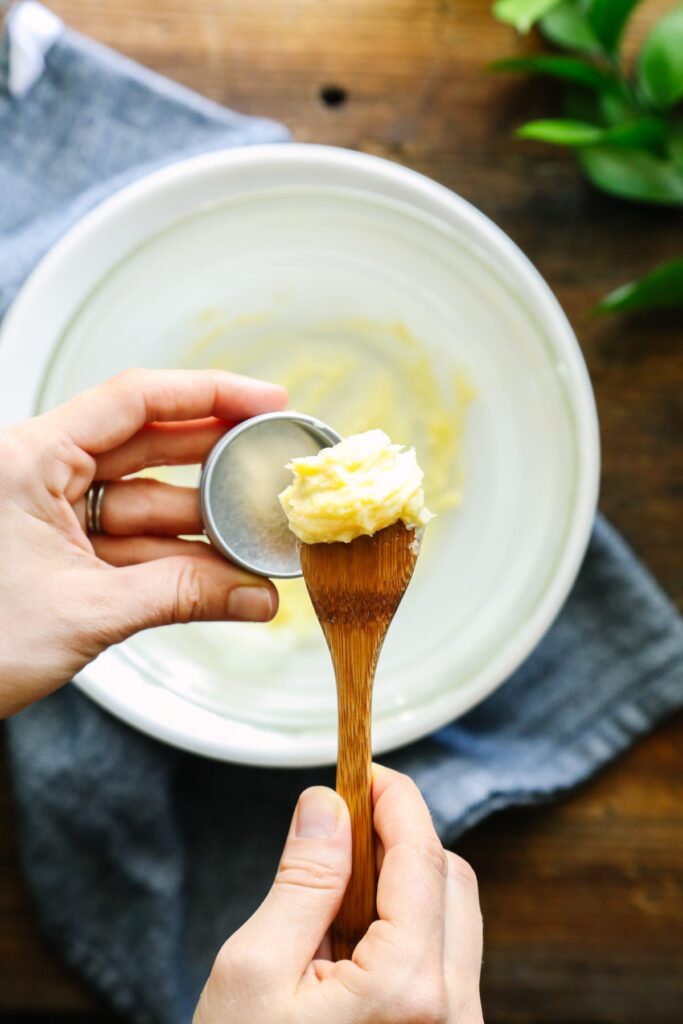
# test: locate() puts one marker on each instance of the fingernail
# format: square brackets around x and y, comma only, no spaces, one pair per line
[316,814]
[250,604]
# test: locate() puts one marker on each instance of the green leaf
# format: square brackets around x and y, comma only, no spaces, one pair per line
[522,13]
[633,174]
[569,69]
[608,19]
[640,133]
[582,105]
[568,27]
[643,132]
[660,69]
[562,132]
[616,106]
[662,288]
[675,144]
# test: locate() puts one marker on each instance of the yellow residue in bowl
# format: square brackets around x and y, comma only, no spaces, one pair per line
[357,375]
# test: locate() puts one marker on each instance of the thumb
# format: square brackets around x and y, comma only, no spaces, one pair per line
[185,588]
[308,889]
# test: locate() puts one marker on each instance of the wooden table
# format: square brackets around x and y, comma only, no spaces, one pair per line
[583,901]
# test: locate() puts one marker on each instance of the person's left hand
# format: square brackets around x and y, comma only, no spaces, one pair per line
[65,596]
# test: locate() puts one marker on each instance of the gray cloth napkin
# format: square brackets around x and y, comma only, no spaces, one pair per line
[142,859]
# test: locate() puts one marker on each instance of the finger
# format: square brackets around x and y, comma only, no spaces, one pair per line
[123,551]
[463,944]
[307,891]
[411,891]
[181,581]
[139,507]
[167,588]
[106,416]
[161,444]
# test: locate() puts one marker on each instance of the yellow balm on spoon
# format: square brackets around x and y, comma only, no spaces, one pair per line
[354,488]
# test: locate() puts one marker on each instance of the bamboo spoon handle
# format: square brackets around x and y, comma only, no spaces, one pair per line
[354,784]
[355,589]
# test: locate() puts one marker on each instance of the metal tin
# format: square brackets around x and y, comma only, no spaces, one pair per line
[239,487]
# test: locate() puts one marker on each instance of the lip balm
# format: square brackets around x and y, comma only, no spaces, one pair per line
[240,483]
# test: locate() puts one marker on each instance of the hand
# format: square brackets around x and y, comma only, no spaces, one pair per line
[65,596]
[418,964]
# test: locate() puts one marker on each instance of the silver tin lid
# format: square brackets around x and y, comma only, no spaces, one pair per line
[240,483]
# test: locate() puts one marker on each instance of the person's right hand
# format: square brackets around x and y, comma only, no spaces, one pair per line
[418,964]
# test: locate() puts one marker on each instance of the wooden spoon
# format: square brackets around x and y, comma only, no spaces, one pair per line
[355,589]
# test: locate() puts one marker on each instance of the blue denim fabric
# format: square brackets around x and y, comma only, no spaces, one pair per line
[142,859]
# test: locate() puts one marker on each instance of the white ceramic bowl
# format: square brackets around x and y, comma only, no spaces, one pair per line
[300,244]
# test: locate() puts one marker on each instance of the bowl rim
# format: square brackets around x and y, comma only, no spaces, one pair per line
[154,200]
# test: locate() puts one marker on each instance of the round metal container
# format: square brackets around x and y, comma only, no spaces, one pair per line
[239,488]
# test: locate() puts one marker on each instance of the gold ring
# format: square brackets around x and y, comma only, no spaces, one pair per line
[93,507]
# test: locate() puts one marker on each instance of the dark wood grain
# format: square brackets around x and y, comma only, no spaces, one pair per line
[583,901]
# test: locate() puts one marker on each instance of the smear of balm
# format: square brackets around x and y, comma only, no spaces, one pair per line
[356,374]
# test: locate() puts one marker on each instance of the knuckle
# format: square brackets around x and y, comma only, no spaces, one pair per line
[238,961]
[296,872]
[65,462]
[403,786]
[12,459]
[430,852]
[189,598]
[147,492]
[126,379]
[461,870]
[421,1000]
[128,388]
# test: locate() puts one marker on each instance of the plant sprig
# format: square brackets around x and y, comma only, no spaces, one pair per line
[626,130]
[662,288]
